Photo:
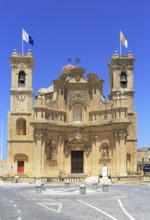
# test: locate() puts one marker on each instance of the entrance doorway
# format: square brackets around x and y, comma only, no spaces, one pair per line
[76,161]
[20,167]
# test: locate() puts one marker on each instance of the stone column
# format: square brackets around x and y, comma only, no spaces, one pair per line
[39,153]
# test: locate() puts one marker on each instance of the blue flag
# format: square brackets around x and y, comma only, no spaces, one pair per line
[26,37]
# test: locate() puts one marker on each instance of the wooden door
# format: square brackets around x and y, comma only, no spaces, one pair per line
[76,161]
[20,167]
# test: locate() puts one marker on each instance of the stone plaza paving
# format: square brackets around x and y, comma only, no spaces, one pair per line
[56,201]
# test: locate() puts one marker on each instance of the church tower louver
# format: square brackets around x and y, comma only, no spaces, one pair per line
[71,130]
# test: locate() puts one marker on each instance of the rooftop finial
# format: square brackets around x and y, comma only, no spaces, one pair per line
[77,61]
[29,54]
[14,52]
[69,60]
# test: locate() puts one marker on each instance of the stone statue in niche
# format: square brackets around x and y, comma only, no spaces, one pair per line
[105,152]
[67,149]
[51,149]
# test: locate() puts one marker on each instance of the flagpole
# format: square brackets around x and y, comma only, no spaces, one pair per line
[120,48]
[22,41]
[1,141]
[120,44]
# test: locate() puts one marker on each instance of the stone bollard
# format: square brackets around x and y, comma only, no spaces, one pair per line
[67,184]
[82,189]
[42,185]
[16,179]
[105,187]
[38,186]
[95,185]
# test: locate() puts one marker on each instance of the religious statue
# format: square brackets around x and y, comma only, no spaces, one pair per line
[105,152]
[51,150]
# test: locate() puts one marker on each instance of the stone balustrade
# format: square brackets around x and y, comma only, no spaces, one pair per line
[130,179]
[121,179]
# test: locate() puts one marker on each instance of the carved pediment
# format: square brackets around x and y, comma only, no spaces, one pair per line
[77,139]
[77,142]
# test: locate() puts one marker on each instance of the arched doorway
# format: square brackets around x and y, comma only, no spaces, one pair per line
[20,159]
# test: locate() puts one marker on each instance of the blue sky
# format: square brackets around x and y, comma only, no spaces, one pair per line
[71,28]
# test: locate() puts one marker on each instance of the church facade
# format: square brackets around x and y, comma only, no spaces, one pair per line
[71,128]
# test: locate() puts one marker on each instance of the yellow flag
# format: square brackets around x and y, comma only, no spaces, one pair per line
[123,40]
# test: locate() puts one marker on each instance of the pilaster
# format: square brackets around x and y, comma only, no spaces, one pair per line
[120,154]
[123,150]
[61,154]
[39,153]
[94,152]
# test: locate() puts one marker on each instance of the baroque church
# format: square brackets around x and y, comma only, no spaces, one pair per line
[69,127]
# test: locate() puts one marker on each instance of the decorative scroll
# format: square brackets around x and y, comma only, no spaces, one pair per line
[120,135]
[52,98]
[93,77]
[80,96]
[40,135]
[49,103]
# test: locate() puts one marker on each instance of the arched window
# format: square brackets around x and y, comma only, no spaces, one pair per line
[77,114]
[123,80]
[21,126]
[21,79]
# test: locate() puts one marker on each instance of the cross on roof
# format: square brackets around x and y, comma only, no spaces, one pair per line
[77,61]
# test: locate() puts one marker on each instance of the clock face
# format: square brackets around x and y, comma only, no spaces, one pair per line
[21,97]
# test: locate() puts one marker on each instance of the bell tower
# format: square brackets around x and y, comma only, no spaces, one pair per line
[20,131]
[122,97]
[121,78]
[21,82]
